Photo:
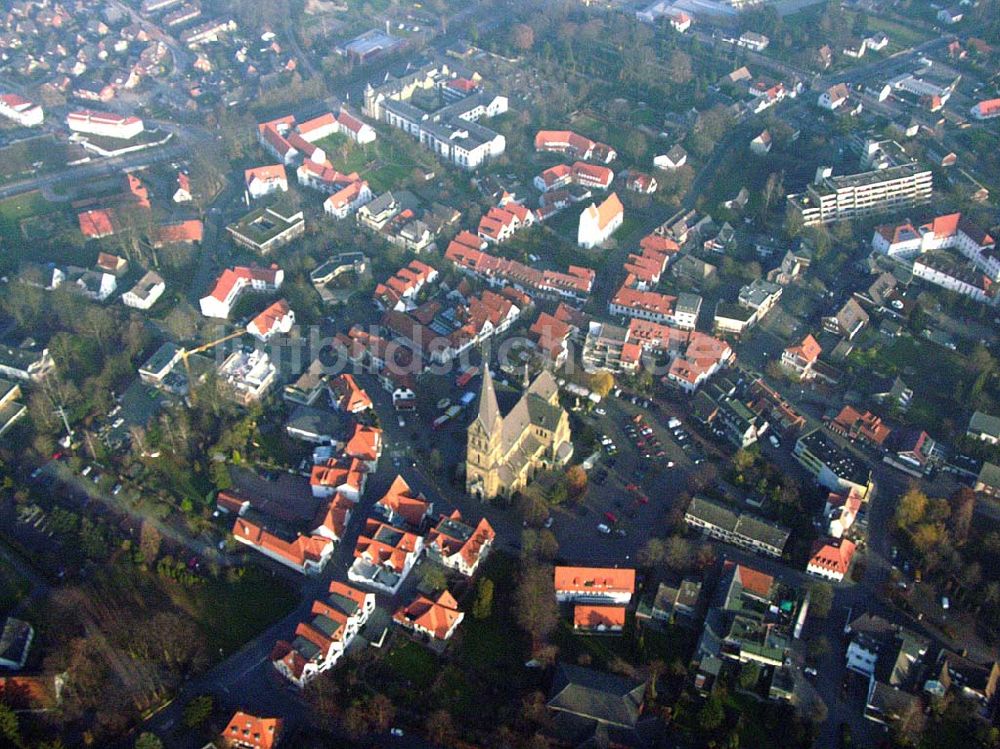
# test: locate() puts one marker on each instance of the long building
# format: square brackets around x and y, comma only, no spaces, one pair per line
[104,123]
[25,113]
[451,131]
[830,199]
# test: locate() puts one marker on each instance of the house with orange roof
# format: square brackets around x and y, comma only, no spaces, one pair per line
[307,554]
[986,110]
[399,291]
[574,145]
[588,618]
[459,546]
[436,617]
[401,507]
[951,231]
[641,182]
[183,192]
[599,222]
[841,511]
[831,558]
[322,639]
[365,444]
[323,177]
[348,199]
[346,395]
[246,731]
[595,585]
[384,556]
[550,336]
[179,232]
[857,426]
[277,319]
[554,178]
[800,359]
[265,180]
[272,136]
[318,127]
[333,519]
[703,357]
[645,305]
[347,476]
[108,263]
[354,128]
[233,282]
[96,223]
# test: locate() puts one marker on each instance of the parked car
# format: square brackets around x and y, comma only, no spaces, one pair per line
[775,442]
[602,528]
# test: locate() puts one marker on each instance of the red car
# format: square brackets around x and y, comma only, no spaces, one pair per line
[611,517]
[631,488]
[643,499]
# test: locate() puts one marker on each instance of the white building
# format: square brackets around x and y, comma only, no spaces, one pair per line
[834,96]
[348,200]
[233,282]
[248,375]
[265,180]
[276,319]
[145,293]
[25,113]
[104,123]
[599,222]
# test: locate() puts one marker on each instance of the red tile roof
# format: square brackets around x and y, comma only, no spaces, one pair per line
[270,173]
[402,501]
[437,616]
[183,231]
[95,224]
[598,617]
[833,555]
[595,580]
[266,320]
[365,443]
[809,350]
[246,730]
[649,301]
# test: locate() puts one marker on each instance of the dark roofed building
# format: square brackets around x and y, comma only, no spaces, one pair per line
[592,708]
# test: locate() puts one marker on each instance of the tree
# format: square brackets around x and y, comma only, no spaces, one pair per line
[819,647]
[10,725]
[523,36]
[636,145]
[601,382]
[749,674]
[198,710]
[482,608]
[576,481]
[652,552]
[537,613]
[532,507]
[433,577]
[911,509]
[712,714]
[381,712]
[149,542]
[148,740]
[963,506]
[820,599]
[678,553]
[440,728]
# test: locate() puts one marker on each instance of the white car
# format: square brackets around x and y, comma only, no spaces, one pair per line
[600,412]
[775,443]
[602,528]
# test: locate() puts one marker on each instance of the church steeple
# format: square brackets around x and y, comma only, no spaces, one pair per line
[489,409]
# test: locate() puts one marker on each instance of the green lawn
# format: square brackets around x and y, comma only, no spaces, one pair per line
[232,613]
[413,664]
[16,209]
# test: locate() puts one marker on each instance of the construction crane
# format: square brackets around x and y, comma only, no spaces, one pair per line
[186,353]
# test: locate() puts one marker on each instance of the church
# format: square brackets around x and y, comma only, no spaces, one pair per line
[505,452]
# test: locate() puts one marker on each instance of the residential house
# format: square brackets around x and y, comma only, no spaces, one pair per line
[346,395]
[459,546]
[718,521]
[435,617]
[850,320]
[233,282]
[671,604]
[321,641]
[268,228]
[15,642]
[857,426]
[246,731]
[403,508]
[675,158]
[761,144]
[574,145]
[596,585]
[384,556]
[589,618]
[277,319]
[988,480]
[248,376]
[830,558]
[984,427]
[265,180]
[800,359]
[834,97]
[145,293]
[587,706]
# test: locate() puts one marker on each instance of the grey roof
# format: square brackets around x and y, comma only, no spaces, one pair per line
[599,696]
[15,640]
[489,409]
[989,475]
[743,524]
[982,423]
[687,302]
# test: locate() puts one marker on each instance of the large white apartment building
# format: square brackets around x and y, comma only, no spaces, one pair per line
[25,113]
[107,124]
[830,199]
